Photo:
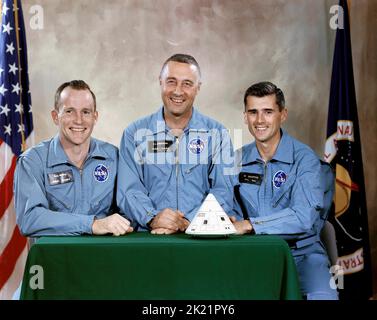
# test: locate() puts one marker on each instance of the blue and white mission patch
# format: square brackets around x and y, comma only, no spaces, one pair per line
[196,146]
[101,173]
[279,179]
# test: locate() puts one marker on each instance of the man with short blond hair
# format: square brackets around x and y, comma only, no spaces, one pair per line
[66,185]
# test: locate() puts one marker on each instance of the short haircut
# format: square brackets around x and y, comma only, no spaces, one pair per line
[263,89]
[182,58]
[74,84]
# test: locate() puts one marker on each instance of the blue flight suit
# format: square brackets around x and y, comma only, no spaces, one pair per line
[54,197]
[289,196]
[157,170]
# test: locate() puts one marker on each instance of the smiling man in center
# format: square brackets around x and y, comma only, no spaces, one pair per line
[171,160]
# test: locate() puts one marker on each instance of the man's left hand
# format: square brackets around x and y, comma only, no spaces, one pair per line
[242,226]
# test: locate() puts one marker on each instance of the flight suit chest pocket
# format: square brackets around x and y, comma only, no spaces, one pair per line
[249,194]
[158,158]
[250,181]
[192,169]
[60,189]
[154,168]
[61,197]
[195,177]
[102,203]
[195,172]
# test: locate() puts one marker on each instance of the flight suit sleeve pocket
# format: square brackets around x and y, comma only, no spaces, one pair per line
[138,203]
[313,193]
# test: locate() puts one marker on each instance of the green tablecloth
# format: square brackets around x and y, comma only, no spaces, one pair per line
[145,266]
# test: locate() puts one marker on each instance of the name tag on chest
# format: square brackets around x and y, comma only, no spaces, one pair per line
[251,178]
[60,177]
[160,146]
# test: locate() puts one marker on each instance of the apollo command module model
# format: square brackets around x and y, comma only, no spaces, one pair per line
[210,220]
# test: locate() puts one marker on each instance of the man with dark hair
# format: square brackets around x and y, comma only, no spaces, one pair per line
[284,189]
[169,161]
[66,185]
[263,89]
[182,58]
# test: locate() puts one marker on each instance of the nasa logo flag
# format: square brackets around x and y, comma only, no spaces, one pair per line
[343,151]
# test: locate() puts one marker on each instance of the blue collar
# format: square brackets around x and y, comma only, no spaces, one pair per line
[158,125]
[57,155]
[284,151]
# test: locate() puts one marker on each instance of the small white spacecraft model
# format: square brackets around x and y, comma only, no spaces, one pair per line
[210,220]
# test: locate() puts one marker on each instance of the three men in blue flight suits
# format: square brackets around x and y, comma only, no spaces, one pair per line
[66,185]
[168,163]
[170,160]
[283,189]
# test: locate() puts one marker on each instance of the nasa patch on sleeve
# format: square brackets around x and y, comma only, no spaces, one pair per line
[279,178]
[101,173]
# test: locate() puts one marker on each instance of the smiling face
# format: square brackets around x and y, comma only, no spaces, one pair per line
[75,118]
[179,86]
[263,118]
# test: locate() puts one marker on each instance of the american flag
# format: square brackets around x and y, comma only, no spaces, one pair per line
[16,134]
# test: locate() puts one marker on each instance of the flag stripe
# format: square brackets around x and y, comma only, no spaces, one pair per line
[10,255]
[6,188]
[6,156]
[15,279]
[7,224]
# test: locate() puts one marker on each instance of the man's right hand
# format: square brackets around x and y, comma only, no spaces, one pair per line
[115,224]
[170,221]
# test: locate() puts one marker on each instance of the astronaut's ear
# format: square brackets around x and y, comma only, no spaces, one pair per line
[284,115]
[55,116]
[245,118]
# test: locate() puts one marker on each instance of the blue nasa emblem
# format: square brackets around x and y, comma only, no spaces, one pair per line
[196,146]
[101,173]
[279,178]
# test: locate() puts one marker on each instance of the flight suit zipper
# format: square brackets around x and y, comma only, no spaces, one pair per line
[177,168]
[82,193]
[266,220]
[264,177]
[264,181]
